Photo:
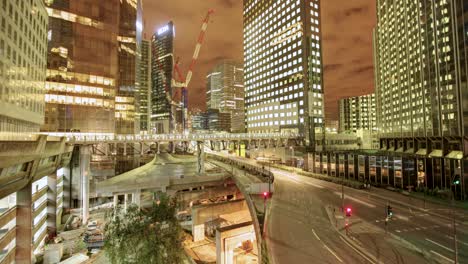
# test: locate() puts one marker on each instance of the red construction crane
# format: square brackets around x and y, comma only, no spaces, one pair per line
[184,82]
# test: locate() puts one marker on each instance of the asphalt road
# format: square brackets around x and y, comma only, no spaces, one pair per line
[299,229]
[432,234]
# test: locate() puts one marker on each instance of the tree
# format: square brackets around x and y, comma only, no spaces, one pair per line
[145,236]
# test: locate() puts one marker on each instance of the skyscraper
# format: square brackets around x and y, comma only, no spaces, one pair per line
[144,84]
[283,67]
[357,113]
[162,48]
[421,88]
[225,92]
[23,53]
[82,66]
[126,100]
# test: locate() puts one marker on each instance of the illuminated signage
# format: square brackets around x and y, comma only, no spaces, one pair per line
[163,30]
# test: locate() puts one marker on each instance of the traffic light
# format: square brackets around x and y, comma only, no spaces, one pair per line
[348,211]
[265,195]
[389,211]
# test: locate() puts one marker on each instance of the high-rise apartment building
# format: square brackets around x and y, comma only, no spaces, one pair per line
[162,49]
[144,84]
[421,88]
[357,113]
[283,67]
[23,53]
[225,92]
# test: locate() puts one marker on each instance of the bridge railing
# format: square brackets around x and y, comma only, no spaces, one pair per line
[110,137]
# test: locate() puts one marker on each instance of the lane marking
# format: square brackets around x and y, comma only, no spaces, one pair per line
[442,246]
[404,218]
[292,178]
[442,256]
[318,238]
[356,200]
[458,241]
[359,252]
[333,253]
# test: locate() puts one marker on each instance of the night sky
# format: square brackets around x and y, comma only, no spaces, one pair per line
[347,42]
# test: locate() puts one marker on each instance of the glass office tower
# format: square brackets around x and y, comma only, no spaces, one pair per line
[162,62]
[82,66]
[283,67]
[225,92]
[421,88]
[144,84]
[23,53]
[126,100]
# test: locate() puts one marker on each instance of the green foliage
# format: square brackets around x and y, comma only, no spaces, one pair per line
[145,236]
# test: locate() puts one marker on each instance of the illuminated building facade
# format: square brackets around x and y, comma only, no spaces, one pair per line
[283,67]
[357,113]
[126,100]
[82,66]
[225,92]
[144,83]
[421,90]
[162,49]
[23,53]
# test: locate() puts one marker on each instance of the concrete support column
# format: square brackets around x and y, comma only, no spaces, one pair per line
[173,147]
[116,201]
[200,158]
[52,219]
[136,198]
[85,161]
[125,202]
[159,148]
[125,149]
[24,218]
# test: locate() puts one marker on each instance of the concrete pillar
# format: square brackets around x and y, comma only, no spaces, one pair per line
[173,147]
[52,216]
[200,158]
[24,218]
[198,232]
[116,201]
[136,198]
[159,149]
[85,160]
[125,202]
[125,149]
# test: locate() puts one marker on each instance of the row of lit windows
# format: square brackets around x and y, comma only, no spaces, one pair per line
[76,100]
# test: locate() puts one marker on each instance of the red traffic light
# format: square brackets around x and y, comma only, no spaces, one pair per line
[265,194]
[348,211]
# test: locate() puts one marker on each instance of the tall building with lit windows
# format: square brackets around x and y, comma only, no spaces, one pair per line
[144,84]
[356,113]
[82,66]
[422,90]
[162,56]
[23,53]
[225,92]
[127,96]
[283,67]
